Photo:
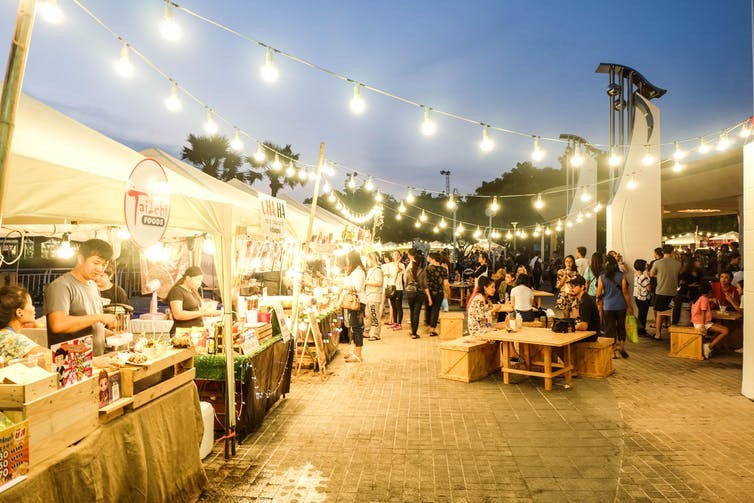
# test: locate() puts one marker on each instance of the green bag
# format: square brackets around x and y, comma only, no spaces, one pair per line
[632,330]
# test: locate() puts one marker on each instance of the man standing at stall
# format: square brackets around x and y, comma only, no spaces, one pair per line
[72,302]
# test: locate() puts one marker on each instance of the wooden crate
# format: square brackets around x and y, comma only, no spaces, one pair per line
[14,396]
[59,419]
[163,375]
[594,359]
[468,359]
[451,324]
[685,342]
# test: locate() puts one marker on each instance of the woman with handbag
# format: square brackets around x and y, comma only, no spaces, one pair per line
[396,299]
[415,285]
[373,287]
[353,303]
[613,287]
[481,310]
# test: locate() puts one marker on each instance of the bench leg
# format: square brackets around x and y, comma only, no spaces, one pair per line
[548,367]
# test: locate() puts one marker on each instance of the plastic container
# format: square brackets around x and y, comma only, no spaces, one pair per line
[208,437]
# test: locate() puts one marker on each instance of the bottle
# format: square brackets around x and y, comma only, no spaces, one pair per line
[519,321]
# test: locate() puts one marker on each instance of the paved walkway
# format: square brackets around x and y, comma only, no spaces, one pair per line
[389,429]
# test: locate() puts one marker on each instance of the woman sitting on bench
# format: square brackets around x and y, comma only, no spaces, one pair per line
[701,317]
[522,298]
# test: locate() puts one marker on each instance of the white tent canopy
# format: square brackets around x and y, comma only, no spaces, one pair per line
[686,239]
[728,236]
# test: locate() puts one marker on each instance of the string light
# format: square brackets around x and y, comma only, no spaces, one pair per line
[460,229]
[585,196]
[631,184]
[494,206]
[451,204]
[369,186]
[269,71]
[648,158]
[523,235]
[259,155]
[723,143]
[290,171]
[50,12]
[169,28]
[423,216]
[615,158]
[508,235]
[677,167]
[276,164]
[569,224]
[477,232]
[435,229]
[331,197]
[210,126]
[745,131]
[357,103]
[678,154]
[443,224]
[539,204]
[122,65]
[352,182]
[236,143]
[410,198]
[487,144]
[398,216]
[428,127]
[173,102]
[577,159]
[537,154]
[548,231]
[417,224]
[303,175]
[597,207]
[378,197]
[703,147]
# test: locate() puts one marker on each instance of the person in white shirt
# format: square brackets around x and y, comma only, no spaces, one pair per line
[522,298]
[581,261]
[374,289]
[354,320]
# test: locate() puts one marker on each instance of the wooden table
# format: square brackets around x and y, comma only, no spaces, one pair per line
[729,315]
[731,319]
[461,287]
[538,294]
[528,339]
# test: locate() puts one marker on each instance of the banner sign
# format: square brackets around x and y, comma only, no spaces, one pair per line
[146,204]
[273,216]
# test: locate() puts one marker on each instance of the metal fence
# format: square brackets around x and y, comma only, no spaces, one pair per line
[36,280]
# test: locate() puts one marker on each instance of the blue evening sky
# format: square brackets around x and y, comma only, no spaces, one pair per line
[524,65]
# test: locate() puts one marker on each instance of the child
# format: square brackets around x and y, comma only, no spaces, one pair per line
[701,317]
[641,293]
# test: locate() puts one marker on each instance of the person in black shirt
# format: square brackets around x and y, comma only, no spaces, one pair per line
[589,314]
[108,290]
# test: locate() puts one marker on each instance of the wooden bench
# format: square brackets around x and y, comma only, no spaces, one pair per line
[594,359]
[451,324]
[685,342]
[468,359]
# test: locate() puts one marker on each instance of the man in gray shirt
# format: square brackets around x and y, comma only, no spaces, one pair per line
[666,270]
[72,302]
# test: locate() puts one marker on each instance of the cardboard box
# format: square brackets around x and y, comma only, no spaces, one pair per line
[468,359]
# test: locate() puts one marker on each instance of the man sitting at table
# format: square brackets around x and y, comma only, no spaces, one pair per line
[589,315]
[723,289]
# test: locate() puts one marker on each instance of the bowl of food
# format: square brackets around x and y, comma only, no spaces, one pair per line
[162,347]
[150,350]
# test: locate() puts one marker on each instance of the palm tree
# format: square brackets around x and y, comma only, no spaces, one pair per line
[277,178]
[213,155]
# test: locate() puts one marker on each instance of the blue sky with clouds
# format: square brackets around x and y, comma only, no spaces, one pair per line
[519,64]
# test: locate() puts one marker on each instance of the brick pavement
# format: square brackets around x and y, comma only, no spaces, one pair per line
[390,429]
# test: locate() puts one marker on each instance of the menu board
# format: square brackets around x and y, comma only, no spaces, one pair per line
[14,452]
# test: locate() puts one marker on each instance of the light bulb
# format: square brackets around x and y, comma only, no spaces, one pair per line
[569,224]
[410,196]
[331,197]
[259,155]
[369,186]
[357,103]
[631,184]
[208,246]
[290,171]
[745,131]
[122,65]
[173,102]
[402,208]
[169,28]
[477,232]
[579,218]
[50,11]
[537,154]
[487,143]
[428,126]
[326,187]
[723,143]
[677,167]
[576,158]
[451,204]
[597,207]
[378,197]
[648,158]
[123,234]
[65,251]
[588,214]
[678,154]
[495,234]
[269,70]
[443,224]
[703,147]
[339,205]
[585,196]
[423,216]
[508,235]
[417,224]
[494,206]
[210,127]
[548,231]
[352,182]
[435,229]
[303,175]
[276,164]
[236,143]
[398,216]
[539,204]
[615,158]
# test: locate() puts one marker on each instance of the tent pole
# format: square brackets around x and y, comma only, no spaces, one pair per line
[302,256]
[14,78]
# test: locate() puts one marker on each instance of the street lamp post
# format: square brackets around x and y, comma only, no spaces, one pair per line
[491,211]
[515,235]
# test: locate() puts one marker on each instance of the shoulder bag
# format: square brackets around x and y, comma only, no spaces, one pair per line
[350,300]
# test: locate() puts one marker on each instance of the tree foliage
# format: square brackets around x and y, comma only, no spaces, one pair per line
[213,155]
[277,178]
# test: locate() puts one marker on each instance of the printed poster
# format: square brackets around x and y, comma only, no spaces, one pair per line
[72,360]
[273,216]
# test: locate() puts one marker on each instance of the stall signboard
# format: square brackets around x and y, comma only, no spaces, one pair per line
[273,216]
[146,203]
[282,321]
[14,452]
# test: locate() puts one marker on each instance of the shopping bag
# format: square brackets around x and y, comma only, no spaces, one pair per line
[632,330]
[444,305]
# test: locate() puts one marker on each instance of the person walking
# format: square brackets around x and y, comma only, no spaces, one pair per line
[415,286]
[396,299]
[641,293]
[613,287]
[438,287]
[373,287]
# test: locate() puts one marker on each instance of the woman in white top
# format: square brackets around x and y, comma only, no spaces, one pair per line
[522,298]
[397,269]
[354,320]
[374,291]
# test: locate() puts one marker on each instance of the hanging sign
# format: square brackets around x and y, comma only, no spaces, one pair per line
[273,216]
[146,203]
